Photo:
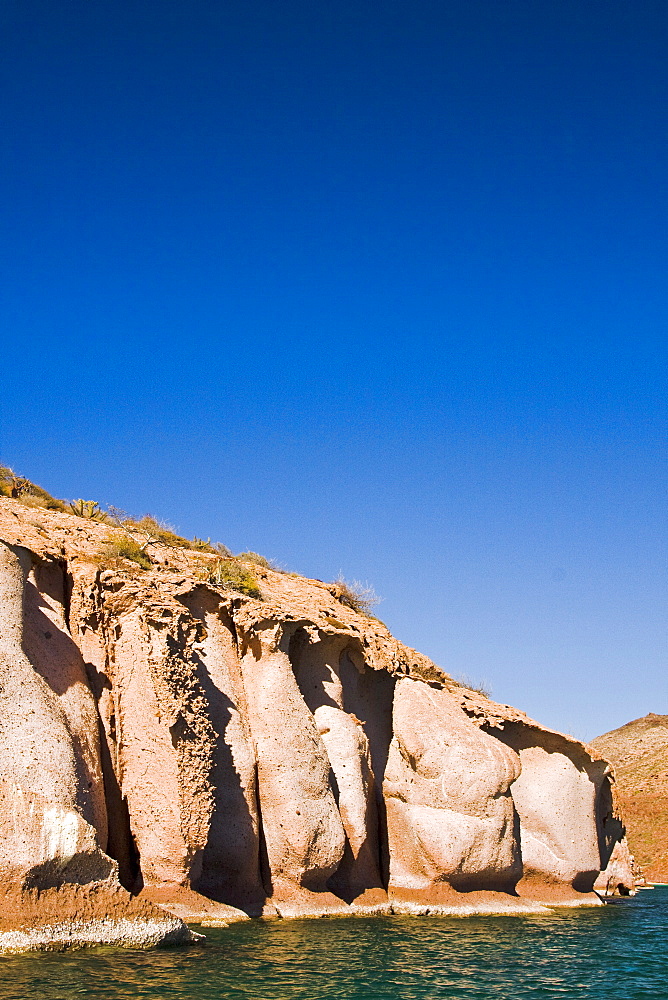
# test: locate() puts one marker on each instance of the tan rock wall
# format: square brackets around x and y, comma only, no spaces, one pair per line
[302,827]
[284,754]
[450,814]
[60,888]
[556,798]
[46,762]
[164,739]
[56,657]
[316,661]
[230,870]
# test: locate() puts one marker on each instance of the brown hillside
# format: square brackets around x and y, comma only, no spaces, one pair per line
[639,753]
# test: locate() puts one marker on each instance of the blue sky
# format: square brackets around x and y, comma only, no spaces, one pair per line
[367,287]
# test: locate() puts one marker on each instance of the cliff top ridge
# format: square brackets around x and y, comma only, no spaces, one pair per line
[147,554]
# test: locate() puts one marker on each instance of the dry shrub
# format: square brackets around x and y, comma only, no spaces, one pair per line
[153,531]
[480,687]
[123,547]
[359,596]
[19,488]
[255,557]
[230,574]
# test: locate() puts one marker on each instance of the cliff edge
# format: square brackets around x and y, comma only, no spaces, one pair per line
[173,749]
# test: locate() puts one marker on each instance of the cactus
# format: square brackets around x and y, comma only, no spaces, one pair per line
[89,509]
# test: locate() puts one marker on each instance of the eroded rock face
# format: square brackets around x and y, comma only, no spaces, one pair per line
[303,829]
[45,837]
[451,818]
[638,751]
[556,794]
[230,868]
[224,756]
[164,739]
[317,663]
[52,804]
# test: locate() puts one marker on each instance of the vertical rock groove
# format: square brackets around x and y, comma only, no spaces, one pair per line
[226,756]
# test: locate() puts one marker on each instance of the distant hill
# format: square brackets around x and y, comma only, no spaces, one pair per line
[638,752]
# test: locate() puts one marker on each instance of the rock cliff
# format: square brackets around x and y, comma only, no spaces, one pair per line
[174,749]
[639,753]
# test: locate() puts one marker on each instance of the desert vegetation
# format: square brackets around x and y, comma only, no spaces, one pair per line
[19,488]
[231,574]
[479,686]
[255,557]
[123,547]
[262,561]
[89,509]
[356,595]
[151,531]
[140,539]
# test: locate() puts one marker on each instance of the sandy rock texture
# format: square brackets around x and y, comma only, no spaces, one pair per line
[450,815]
[53,816]
[176,746]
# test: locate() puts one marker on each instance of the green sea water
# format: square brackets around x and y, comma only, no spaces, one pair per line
[610,952]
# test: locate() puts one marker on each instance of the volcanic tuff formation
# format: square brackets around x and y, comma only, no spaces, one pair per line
[639,753]
[173,749]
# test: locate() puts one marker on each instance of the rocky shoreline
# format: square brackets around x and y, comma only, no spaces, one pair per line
[174,751]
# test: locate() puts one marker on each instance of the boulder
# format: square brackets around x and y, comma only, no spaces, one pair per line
[451,819]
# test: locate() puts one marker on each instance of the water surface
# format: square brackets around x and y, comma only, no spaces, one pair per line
[608,952]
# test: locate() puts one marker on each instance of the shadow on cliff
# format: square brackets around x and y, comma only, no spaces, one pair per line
[56,657]
[365,696]
[609,827]
[231,859]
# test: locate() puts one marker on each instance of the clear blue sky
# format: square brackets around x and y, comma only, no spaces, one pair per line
[363,286]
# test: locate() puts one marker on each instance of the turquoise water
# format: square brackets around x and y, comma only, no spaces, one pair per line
[616,951]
